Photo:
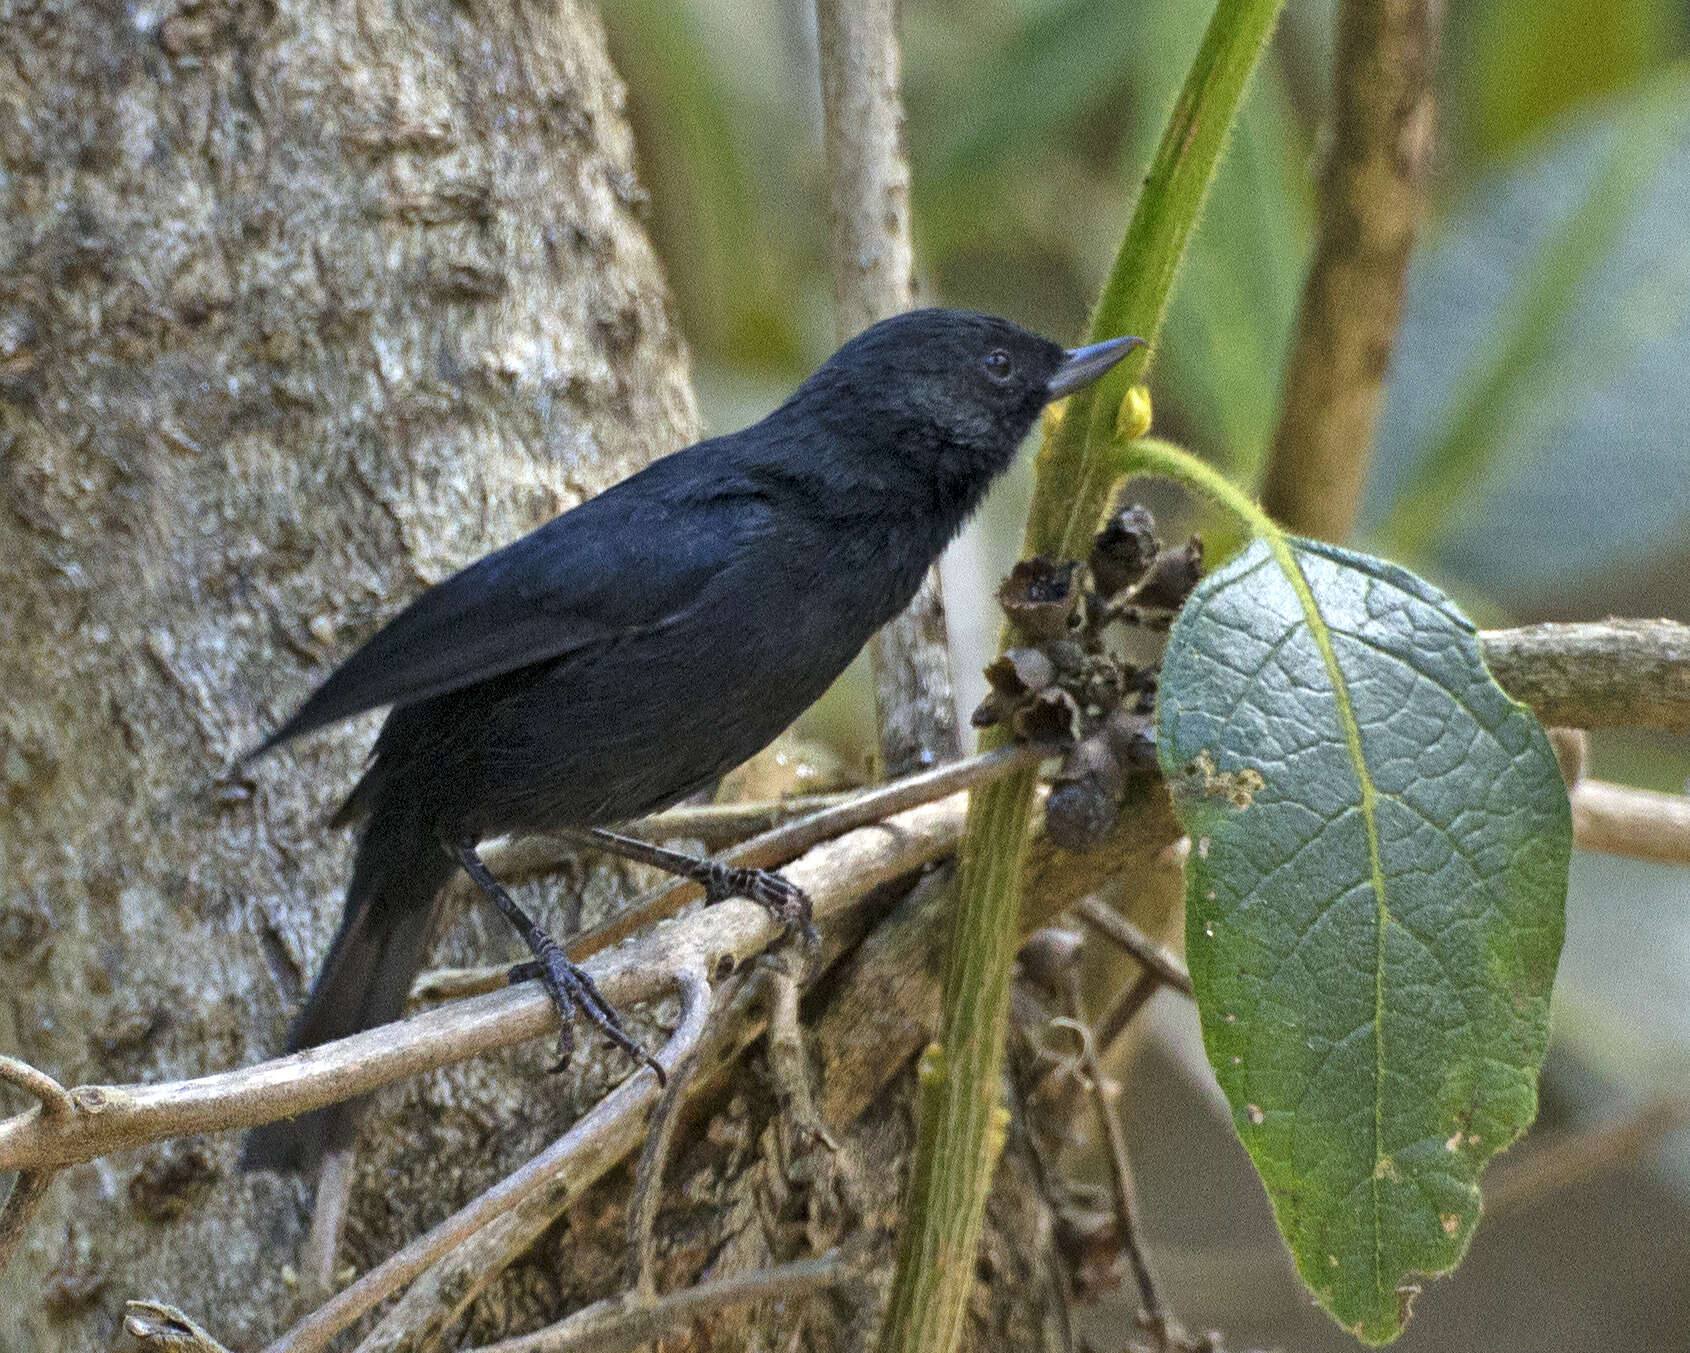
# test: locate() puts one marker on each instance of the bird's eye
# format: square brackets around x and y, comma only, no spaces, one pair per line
[998,365]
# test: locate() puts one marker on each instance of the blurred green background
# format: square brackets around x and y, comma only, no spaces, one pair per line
[1534,460]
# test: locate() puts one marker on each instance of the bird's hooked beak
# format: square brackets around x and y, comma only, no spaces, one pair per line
[1081,366]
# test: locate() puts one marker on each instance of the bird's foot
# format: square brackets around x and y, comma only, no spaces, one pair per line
[570,990]
[785,901]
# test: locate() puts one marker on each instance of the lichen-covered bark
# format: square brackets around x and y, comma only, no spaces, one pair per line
[301,307]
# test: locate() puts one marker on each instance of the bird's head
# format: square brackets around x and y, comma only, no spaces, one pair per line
[947,395]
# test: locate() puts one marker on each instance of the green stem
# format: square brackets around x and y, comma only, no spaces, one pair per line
[961,1127]
[1154,456]
[1070,490]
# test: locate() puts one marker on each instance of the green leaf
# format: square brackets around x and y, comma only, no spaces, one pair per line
[1374,904]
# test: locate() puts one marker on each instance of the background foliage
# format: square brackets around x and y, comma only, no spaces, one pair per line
[1534,458]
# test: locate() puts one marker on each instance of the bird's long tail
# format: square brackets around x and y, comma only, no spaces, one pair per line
[371,964]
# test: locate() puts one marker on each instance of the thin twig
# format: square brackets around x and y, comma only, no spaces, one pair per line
[1120,1167]
[563,1163]
[789,1065]
[726,824]
[1156,958]
[1372,196]
[654,1155]
[105,1119]
[55,1099]
[1546,1169]
[22,1203]
[439,1297]
[873,277]
[1602,674]
[165,1327]
[1048,1181]
[1640,823]
[782,843]
[616,1325]
[1133,998]
[328,1219]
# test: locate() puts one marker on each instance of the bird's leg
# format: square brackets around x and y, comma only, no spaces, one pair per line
[569,986]
[786,902]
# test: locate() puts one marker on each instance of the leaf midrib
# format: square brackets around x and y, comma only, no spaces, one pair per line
[1286,558]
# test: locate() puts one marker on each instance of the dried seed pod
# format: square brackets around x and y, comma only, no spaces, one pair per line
[1039,597]
[1050,716]
[1085,798]
[1172,577]
[994,709]
[1131,736]
[1123,549]
[1020,672]
[1098,685]
[1069,657]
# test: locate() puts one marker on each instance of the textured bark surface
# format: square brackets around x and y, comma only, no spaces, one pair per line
[300,308]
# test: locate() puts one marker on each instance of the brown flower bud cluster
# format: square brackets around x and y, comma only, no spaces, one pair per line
[1068,684]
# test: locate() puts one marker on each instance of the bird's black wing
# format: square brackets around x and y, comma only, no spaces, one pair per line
[633,558]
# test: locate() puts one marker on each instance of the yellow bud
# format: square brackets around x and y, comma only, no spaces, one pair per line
[998,1133]
[1132,420]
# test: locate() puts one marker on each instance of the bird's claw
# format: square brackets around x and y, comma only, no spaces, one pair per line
[571,990]
[784,900]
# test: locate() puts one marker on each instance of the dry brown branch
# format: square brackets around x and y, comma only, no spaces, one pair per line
[1601,674]
[102,1119]
[594,1142]
[1123,1010]
[1543,1170]
[166,1327]
[115,1118]
[789,1066]
[54,1097]
[1120,1166]
[618,1324]
[873,267]
[726,824]
[28,1189]
[328,1219]
[654,1155]
[515,861]
[439,1296]
[1640,823]
[93,1120]
[1371,199]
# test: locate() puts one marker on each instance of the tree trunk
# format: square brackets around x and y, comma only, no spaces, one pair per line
[302,307]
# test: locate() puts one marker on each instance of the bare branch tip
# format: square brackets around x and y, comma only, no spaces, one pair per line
[54,1098]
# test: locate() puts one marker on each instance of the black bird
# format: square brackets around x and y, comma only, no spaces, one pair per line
[633,649]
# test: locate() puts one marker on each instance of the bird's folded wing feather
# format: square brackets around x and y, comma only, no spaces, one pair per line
[620,564]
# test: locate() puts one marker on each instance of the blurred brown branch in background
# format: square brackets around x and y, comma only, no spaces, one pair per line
[1371,200]
[873,263]
[1600,674]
